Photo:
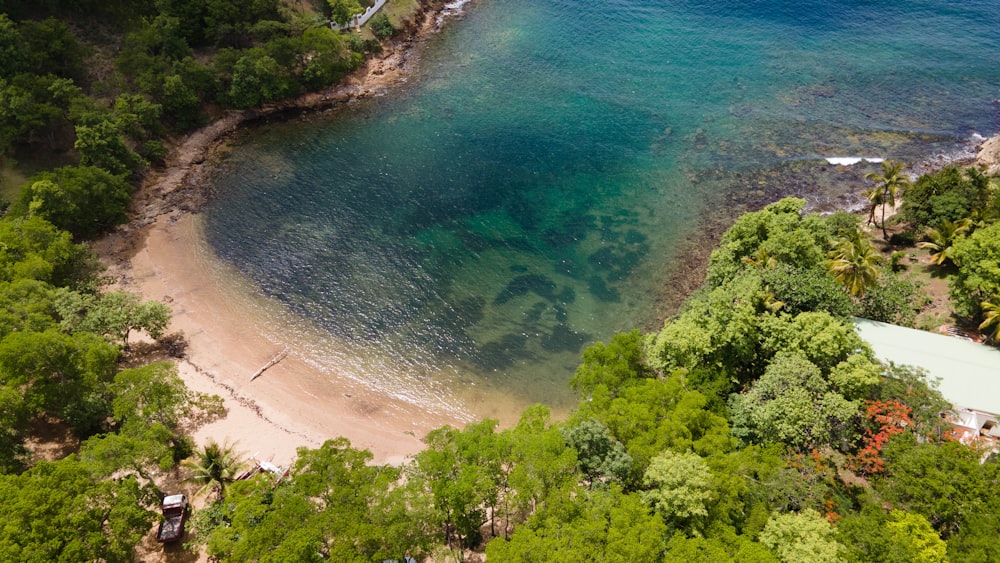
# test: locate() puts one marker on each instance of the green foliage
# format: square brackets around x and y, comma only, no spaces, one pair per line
[892,299]
[941,239]
[58,512]
[978,276]
[83,200]
[912,388]
[888,186]
[778,231]
[653,415]
[34,110]
[855,377]
[61,375]
[718,329]
[540,463]
[14,416]
[680,487]
[853,262]
[32,248]
[612,365]
[113,315]
[951,194]
[381,26]
[585,525]
[808,289]
[335,505]
[944,483]
[801,537]
[729,548]
[49,47]
[792,403]
[874,534]
[741,480]
[461,471]
[342,10]
[601,458]
[214,467]
[819,337]
[258,78]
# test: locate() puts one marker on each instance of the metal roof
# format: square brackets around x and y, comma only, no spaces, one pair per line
[968,372]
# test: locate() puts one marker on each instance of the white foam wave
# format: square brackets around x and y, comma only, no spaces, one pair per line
[852,160]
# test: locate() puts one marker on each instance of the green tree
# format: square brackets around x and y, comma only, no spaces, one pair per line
[942,239]
[113,315]
[57,511]
[950,194]
[31,248]
[461,469]
[991,319]
[730,548]
[914,531]
[585,525]
[978,275]
[613,365]
[680,488]
[83,200]
[334,505]
[50,47]
[258,78]
[214,467]
[103,145]
[808,289]
[792,403]
[34,110]
[888,186]
[779,232]
[148,406]
[946,483]
[540,463]
[14,417]
[892,299]
[64,376]
[342,10]
[854,263]
[600,457]
[802,537]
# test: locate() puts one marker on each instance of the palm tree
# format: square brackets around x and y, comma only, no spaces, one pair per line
[943,237]
[874,197]
[214,467]
[991,319]
[762,258]
[854,263]
[887,188]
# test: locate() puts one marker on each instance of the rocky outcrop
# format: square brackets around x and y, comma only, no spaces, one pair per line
[989,156]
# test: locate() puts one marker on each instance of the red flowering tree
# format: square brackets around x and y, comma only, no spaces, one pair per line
[888,418]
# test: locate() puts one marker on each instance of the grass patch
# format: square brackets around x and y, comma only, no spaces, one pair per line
[400,11]
[11,180]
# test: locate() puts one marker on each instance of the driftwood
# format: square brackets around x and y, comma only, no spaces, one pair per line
[277,358]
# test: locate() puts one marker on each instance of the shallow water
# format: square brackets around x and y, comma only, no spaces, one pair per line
[525,194]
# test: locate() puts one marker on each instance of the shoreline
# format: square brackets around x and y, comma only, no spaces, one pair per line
[160,254]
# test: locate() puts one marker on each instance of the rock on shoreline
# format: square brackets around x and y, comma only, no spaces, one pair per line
[989,156]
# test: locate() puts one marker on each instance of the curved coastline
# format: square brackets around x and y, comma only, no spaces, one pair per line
[161,254]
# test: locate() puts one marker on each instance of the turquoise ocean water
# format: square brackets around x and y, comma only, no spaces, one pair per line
[525,194]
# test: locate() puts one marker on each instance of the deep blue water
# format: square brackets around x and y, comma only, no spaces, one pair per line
[525,194]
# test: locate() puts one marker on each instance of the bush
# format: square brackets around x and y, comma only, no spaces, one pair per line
[381,26]
[894,300]
[950,194]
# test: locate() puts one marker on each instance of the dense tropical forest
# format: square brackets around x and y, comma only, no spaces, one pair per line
[755,426]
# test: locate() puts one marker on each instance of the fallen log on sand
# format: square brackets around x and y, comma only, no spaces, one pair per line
[277,358]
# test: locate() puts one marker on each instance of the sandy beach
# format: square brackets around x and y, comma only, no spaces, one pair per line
[161,255]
